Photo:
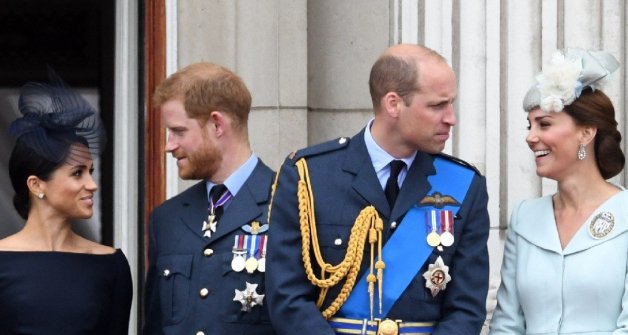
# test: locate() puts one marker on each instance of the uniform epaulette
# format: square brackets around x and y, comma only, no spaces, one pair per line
[459,161]
[317,149]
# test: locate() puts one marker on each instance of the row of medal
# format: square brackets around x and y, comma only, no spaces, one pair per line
[249,252]
[440,233]
[440,228]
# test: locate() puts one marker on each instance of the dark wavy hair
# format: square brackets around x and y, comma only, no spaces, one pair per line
[25,162]
[595,109]
[53,118]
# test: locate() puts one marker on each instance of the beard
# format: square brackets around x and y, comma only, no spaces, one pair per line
[202,163]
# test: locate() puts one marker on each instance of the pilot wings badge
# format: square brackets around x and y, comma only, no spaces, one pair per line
[439,200]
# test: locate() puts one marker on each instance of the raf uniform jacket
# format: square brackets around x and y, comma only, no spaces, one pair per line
[343,182]
[190,285]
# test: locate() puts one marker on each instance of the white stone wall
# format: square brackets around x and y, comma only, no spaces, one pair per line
[265,42]
[307,65]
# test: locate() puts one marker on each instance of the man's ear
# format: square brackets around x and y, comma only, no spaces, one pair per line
[217,122]
[392,103]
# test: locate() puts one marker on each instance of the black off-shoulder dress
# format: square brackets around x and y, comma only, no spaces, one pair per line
[64,293]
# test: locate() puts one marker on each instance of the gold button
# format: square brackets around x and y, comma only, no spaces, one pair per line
[200,333]
[388,327]
[204,292]
[166,273]
[208,252]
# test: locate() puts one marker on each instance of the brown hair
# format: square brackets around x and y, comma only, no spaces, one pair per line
[595,109]
[398,73]
[206,87]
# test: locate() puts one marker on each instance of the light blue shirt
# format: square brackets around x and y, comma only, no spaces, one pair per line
[235,181]
[381,159]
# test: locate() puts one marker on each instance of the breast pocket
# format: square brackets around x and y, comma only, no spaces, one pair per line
[232,309]
[333,241]
[419,290]
[174,272]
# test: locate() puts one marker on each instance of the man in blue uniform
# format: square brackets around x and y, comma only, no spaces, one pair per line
[208,244]
[381,233]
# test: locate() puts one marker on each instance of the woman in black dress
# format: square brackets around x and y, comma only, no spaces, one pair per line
[53,281]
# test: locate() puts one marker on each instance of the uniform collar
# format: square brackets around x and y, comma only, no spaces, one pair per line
[380,158]
[235,181]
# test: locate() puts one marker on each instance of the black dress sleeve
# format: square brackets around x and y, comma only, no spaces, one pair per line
[122,296]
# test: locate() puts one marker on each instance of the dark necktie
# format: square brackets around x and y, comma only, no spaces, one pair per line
[218,197]
[392,185]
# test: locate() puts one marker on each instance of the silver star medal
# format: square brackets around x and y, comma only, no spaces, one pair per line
[209,226]
[248,297]
[437,276]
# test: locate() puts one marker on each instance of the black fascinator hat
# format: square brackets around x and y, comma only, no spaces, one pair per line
[53,118]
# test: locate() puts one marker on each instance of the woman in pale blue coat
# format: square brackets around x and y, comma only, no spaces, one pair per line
[566,255]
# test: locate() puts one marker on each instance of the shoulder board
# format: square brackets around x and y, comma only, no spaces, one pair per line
[458,161]
[321,148]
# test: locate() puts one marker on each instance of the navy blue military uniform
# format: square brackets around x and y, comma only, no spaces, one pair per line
[190,282]
[343,182]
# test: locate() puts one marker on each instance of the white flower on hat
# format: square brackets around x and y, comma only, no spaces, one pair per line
[558,83]
[552,103]
[566,76]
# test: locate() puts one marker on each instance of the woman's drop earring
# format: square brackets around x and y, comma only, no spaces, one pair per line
[582,153]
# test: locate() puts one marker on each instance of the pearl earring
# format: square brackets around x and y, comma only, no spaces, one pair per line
[40,195]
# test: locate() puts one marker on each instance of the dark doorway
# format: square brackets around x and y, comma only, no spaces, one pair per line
[76,39]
